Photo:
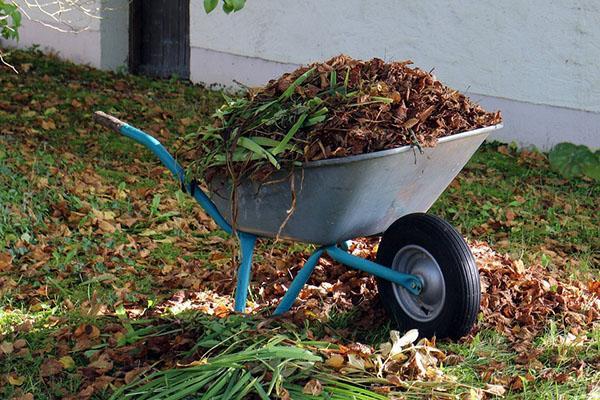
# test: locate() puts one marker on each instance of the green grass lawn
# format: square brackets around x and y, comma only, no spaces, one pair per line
[108,272]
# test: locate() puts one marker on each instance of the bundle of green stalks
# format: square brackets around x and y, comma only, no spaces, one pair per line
[265,363]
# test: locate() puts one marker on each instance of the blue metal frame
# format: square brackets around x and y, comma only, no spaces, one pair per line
[247,243]
[176,169]
[412,283]
[298,283]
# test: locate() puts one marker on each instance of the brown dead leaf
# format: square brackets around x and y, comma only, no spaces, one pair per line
[5,261]
[50,367]
[88,330]
[510,215]
[504,150]
[121,85]
[594,287]
[410,123]
[6,347]
[134,373]
[86,392]
[26,396]
[520,266]
[105,226]
[313,387]
[516,384]
[496,390]
[103,364]
[48,125]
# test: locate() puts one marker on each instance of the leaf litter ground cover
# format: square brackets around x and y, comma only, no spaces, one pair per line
[109,274]
[337,108]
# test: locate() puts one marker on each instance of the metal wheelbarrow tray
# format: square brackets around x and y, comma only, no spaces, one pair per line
[425,271]
[344,198]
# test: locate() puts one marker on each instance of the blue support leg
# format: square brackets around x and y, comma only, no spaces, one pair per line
[298,283]
[412,283]
[247,243]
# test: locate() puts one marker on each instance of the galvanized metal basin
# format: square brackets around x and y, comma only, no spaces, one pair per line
[344,198]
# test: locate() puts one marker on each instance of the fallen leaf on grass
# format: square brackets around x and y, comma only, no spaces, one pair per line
[26,396]
[6,347]
[5,261]
[67,362]
[88,330]
[103,364]
[48,125]
[496,390]
[50,367]
[106,227]
[15,380]
[134,373]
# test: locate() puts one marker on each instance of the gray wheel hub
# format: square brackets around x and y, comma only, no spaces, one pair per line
[415,260]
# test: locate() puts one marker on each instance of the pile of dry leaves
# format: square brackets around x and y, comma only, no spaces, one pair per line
[336,108]
[420,108]
[517,300]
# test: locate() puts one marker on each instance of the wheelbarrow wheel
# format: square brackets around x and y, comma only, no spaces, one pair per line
[429,247]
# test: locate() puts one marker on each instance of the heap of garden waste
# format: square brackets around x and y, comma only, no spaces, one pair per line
[337,108]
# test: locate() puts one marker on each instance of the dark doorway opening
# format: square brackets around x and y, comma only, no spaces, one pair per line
[159,38]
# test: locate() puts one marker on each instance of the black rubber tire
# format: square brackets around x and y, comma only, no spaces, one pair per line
[455,260]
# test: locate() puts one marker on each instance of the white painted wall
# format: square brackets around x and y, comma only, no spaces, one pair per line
[98,38]
[73,35]
[542,56]
[537,60]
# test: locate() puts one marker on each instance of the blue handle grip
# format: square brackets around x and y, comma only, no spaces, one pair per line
[168,161]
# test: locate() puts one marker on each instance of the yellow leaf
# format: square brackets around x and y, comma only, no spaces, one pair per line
[42,182]
[48,125]
[335,361]
[16,380]
[520,266]
[197,363]
[67,362]
[169,239]
[108,215]
[6,347]
[475,394]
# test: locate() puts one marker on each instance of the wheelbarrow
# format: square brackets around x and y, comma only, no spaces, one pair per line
[426,273]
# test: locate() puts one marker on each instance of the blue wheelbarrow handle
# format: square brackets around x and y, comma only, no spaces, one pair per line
[168,161]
